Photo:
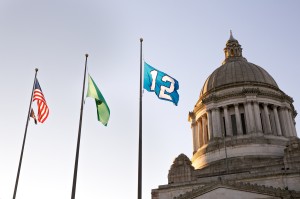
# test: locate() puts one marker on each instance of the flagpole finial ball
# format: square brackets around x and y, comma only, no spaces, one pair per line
[141,39]
[36,69]
[86,55]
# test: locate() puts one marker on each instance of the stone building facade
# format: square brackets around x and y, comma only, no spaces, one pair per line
[245,143]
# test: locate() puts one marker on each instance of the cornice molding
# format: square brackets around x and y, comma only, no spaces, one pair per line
[240,84]
[246,91]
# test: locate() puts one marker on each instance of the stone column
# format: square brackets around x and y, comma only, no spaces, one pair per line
[215,122]
[194,131]
[257,117]
[251,118]
[227,122]
[247,119]
[209,124]
[283,124]
[278,127]
[288,123]
[197,136]
[272,121]
[204,130]
[238,120]
[218,122]
[267,118]
[294,125]
[293,129]
[200,136]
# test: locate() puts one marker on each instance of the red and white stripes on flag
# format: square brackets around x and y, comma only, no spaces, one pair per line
[43,110]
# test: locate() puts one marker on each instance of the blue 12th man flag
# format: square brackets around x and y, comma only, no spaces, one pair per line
[164,86]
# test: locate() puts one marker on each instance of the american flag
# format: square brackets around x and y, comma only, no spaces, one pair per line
[43,110]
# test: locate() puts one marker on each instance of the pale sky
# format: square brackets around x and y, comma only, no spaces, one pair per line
[184,39]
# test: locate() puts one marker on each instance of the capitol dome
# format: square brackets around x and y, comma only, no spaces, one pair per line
[240,113]
[236,70]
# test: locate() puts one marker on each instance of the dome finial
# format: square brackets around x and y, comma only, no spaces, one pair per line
[231,37]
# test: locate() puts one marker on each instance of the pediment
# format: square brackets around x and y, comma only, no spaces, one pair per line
[233,190]
[229,193]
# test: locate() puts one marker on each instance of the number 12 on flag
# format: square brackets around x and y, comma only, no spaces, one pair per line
[164,86]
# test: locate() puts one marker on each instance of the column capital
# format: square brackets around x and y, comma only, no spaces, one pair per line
[199,118]
[284,108]
[191,117]
[265,103]
[280,108]
[255,102]
[249,101]
[214,108]
[225,106]
[192,114]
[236,104]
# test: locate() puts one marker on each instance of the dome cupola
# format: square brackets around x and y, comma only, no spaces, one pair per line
[233,50]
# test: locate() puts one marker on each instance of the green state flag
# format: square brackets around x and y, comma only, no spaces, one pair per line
[103,111]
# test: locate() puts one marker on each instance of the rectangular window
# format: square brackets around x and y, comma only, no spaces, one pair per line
[233,122]
[243,123]
[224,126]
[273,124]
[262,123]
